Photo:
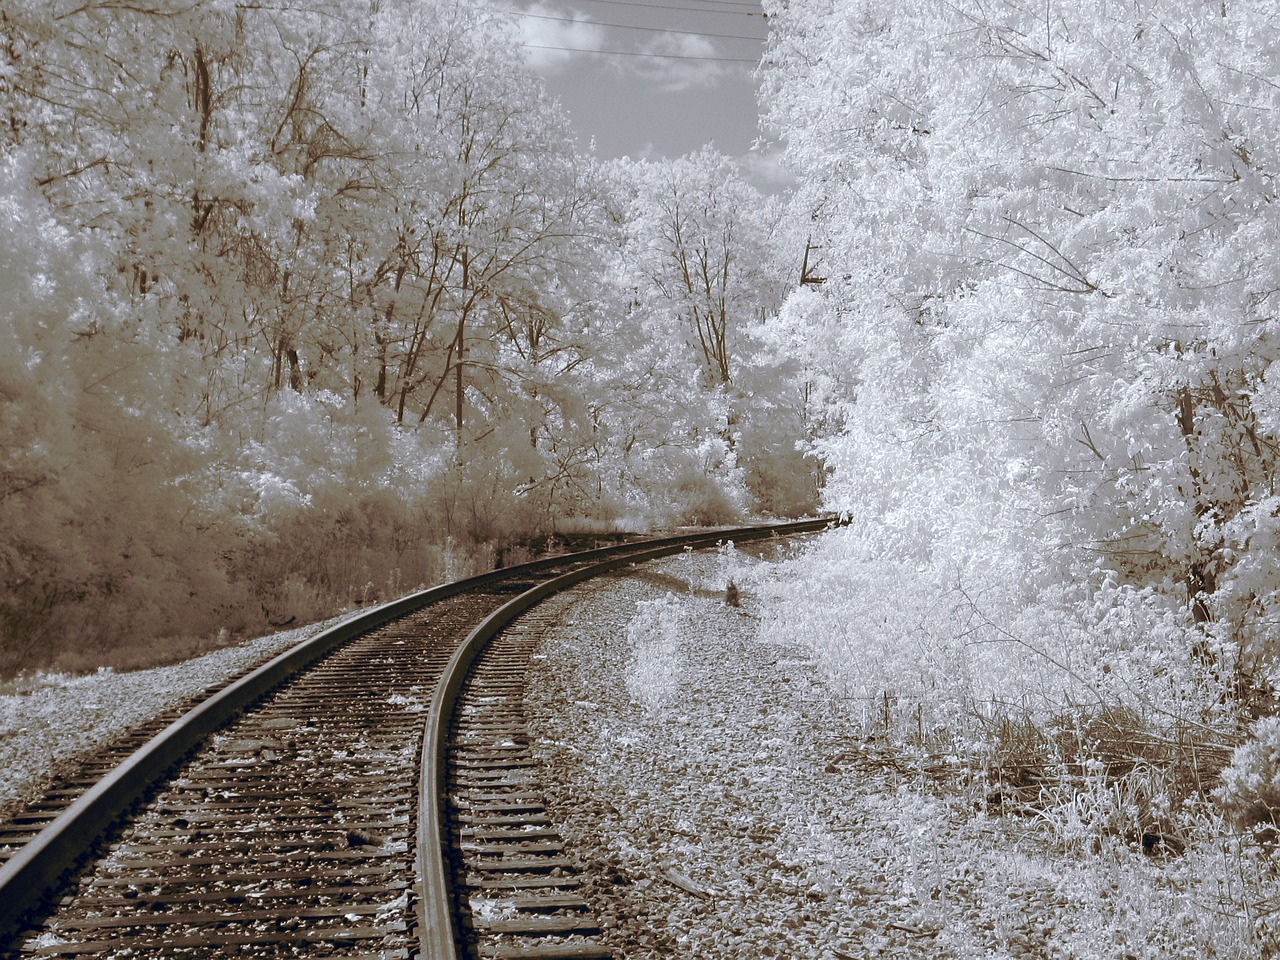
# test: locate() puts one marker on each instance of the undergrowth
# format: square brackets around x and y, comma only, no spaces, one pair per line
[1099,729]
[298,578]
[654,668]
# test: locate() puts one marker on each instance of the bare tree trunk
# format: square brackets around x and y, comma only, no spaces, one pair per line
[1200,579]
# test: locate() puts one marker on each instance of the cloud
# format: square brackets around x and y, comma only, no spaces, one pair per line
[674,75]
[548,42]
[549,33]
[763,168]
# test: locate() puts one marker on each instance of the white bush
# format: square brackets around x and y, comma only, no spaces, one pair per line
[1250,790]
[653,672]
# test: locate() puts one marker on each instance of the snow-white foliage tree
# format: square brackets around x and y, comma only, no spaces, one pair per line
[708,257]
[101,506]
[294,293]
[1048,322]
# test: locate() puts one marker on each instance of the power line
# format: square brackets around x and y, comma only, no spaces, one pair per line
[664,6]
[625,53]
[624,26]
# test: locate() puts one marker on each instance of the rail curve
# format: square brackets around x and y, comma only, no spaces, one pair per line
[405,655]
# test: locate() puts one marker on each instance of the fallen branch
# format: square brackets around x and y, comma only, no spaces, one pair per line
[685,883]
[913,930]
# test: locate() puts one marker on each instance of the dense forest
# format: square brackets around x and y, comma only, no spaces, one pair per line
[1047,236]
[308,303]
[1042,354]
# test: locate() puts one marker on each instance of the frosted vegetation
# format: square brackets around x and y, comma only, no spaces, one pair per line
[654,667]
[1042,351]
[306,304]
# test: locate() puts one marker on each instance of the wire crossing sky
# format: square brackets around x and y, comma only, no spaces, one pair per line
[654,79]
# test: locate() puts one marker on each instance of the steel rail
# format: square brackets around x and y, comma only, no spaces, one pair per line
[438,937]
[37,869]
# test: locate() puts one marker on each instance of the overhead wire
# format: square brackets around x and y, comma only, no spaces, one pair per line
[725,3]
[667,6]
[657,6]
[733,3]
[625,53]
[625,26]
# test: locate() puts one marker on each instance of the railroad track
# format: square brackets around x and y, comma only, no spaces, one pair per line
[369,793]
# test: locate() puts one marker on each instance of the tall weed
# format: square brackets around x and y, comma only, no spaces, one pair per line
[653,671]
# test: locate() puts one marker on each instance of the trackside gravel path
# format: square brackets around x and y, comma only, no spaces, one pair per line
[749,816]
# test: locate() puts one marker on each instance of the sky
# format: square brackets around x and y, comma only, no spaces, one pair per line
[677,74]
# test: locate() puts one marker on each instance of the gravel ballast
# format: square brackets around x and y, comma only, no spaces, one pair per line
[57,719]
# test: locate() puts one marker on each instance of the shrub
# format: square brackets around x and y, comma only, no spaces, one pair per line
[1250,788]
[731,595]
[653,674]
[701,498]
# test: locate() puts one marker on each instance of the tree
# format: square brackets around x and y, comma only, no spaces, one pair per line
[291,209]
[1045,233]
[106,518]
[701,236]
[710,253]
